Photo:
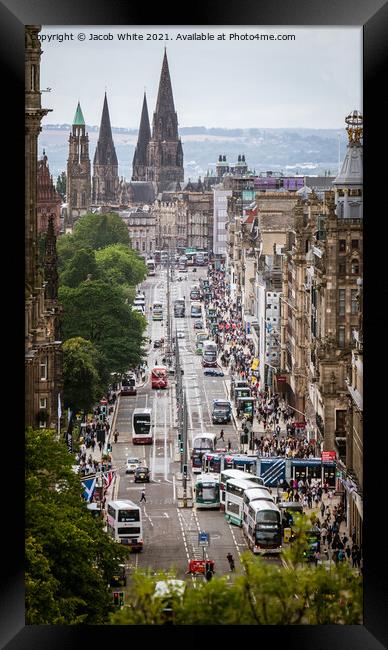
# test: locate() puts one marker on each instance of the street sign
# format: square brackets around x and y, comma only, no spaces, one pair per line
[203,539]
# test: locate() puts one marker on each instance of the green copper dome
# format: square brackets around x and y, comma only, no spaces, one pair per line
[78,117]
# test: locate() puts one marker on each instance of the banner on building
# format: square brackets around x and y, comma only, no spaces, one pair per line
[255,364]
[329,455]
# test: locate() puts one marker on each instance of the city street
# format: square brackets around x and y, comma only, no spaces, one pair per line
[171,533]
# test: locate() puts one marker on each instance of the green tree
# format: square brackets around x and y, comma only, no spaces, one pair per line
[81,378]
[96,311]
[121,265]
[70,558]
[61,185]
[100,230]
[82,264]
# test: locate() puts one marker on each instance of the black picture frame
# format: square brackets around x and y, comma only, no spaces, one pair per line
[373,16]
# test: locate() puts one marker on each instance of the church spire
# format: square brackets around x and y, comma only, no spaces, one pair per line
[105,153]
[140,155]
[165,122]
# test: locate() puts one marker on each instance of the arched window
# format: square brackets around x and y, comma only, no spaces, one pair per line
[355,266]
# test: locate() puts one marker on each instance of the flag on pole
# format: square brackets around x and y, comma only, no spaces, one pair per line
[59,406]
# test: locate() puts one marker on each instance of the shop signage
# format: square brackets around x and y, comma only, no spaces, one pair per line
[329,455]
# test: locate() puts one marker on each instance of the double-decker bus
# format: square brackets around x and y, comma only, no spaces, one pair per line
[209,354]
[199,340]
[196,310]
[124,523]
[202,443]
[182,264]
[234,495]
[128,385]
[262,527]
[141,427]
[157,311]
[157,257]
[159,377]
[207,491]
[257,493]
[151,267]
[164,256]
[200,258]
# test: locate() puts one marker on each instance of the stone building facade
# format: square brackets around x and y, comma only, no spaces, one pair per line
[141,225]
[43,356]
[48,200]
[78,171]
[105,166]
[198,207]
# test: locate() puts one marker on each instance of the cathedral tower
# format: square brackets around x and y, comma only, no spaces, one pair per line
[105,166]
[164,151]
[140,156]
[78,170]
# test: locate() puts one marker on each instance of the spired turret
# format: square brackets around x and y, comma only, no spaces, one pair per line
[349,182]
[140,157]
[78,170]
[105,165]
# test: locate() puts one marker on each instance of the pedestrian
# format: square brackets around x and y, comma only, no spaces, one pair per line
[100,445]
[116,435]
[322,509]
[348,552]
[143,497]
[230,559]
[229,445]
[222,435]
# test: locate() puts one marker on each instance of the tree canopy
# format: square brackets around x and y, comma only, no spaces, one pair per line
[121,265]
[100,230]
[96,311]
[69,557]
[78,267]
[81,374]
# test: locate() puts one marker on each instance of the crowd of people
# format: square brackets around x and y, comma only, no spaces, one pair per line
[93,435]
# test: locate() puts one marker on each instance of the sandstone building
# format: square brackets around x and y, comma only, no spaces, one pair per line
[78,171]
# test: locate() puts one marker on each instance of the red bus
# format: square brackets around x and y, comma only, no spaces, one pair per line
[159,377]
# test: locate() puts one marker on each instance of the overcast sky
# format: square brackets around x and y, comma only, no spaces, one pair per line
[312,82]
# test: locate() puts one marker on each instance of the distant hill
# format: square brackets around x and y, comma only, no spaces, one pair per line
[306,151]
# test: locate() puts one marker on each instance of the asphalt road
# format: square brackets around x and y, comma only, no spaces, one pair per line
[171,533]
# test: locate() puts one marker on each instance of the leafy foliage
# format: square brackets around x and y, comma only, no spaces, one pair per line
[61,185]
[121,265]
[82,264]
[100,230]
[81,363]
[70,559]
[96,311]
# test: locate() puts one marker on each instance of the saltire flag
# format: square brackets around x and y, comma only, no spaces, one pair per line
[89,485]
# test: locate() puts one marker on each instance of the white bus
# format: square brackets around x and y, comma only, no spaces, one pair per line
[202,443]
[234,498]
[124,523]
[207,491]
[255,494]
[141,427]
[151,267]
[157,311]
[263,528]
[196,310]
[227,474]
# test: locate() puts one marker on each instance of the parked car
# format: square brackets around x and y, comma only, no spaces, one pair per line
[180,335]
[157,343]
[142,475]
[213,372]
[132,465]
[198,325]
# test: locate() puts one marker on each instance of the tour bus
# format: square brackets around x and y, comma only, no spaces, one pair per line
[238,383]
[195,293]
[235,474]
[241,391]
[141,426]
[179,308]
[234,494]
[128,385]
[196,310]
[151,267]
[207,491]
[159,377]
[209,354]
[124,523]
[157,311]
[202,443]
[262,527]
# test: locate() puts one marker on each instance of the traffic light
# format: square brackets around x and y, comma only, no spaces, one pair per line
[116,599]
[185,469]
